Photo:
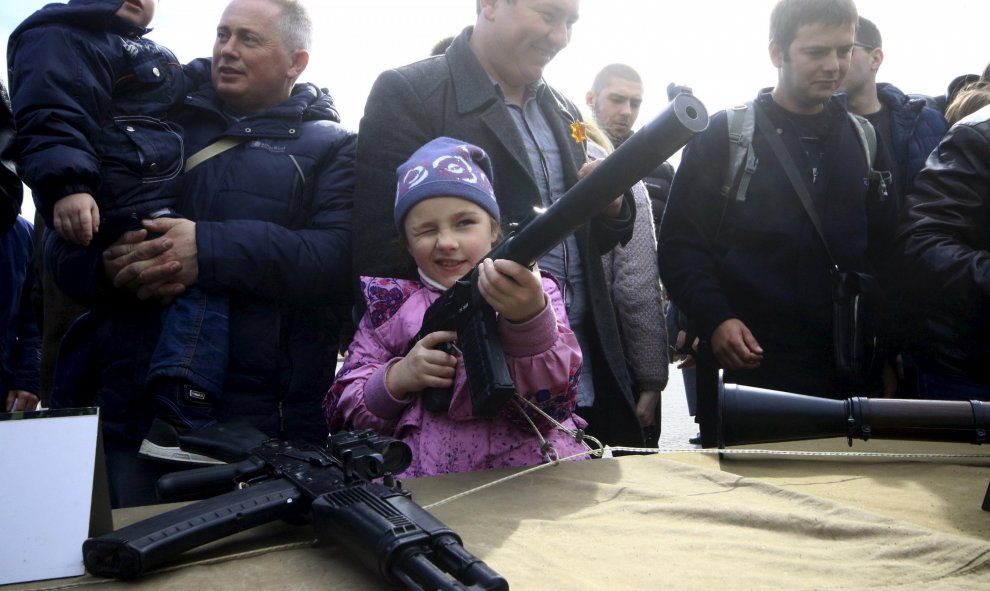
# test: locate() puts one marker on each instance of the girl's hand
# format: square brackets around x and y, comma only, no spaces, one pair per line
[513,290]
[424,367]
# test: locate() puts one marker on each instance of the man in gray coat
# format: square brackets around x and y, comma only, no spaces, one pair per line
[488,89]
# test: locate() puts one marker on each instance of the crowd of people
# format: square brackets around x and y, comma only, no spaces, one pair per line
[210,238]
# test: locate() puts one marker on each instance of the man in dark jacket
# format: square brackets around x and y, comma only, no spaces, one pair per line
[272,232]
[943,239]
[908,131]
[20,343]
[488,89]
[749,269]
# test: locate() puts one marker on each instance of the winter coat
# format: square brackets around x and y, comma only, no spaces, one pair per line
[452,95]
[542,355]
[20,343]
[631,271]
[90,96]
[273,234]
[273,231]
[915,130]
[943,241]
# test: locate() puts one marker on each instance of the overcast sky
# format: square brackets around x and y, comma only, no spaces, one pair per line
[718,47]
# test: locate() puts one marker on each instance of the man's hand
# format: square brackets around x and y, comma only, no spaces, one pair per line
[424,367]
[76,218]
[21,400]
[162,267]
[735,347]
[613,208]
[646,407]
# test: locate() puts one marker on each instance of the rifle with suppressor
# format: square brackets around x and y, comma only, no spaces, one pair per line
[331,486]
[749,415]
[461,308]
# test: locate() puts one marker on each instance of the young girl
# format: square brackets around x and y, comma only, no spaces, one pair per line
[446,211]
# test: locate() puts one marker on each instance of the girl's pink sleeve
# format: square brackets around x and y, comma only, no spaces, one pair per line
[358,398]
[544,357]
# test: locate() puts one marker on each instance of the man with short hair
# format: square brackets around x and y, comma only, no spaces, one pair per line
[614,99]
[748,268]
[488,89]
[907,130]
[272,232]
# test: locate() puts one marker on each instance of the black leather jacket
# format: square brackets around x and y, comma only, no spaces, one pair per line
[943,238]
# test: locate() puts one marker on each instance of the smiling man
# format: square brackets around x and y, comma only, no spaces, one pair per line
[746,264]
[488,89]
[268,189]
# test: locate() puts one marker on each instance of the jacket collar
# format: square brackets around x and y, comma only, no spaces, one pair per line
[307,103]
[474,86]
[476,95]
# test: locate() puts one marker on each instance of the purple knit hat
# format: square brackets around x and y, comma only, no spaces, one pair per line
[445,167]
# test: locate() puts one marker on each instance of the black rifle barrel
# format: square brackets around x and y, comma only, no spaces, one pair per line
[638,156]
[750,415]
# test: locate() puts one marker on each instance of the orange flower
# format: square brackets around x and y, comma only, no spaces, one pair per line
[578,132]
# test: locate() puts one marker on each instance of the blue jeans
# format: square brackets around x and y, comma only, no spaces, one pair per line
[194,344]
[941,386]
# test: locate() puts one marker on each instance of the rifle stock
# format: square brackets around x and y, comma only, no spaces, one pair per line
[140,547]
[461,308]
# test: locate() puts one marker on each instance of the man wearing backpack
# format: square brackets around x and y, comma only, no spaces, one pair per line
[748,254]
[908,130]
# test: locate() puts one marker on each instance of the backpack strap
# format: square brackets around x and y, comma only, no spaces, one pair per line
[741,121]
[868,139]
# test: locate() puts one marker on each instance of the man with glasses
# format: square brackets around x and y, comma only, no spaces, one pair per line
[907,130]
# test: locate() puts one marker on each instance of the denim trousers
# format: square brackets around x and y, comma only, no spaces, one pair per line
[194,344]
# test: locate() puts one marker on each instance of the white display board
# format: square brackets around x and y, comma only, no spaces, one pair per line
[47,460]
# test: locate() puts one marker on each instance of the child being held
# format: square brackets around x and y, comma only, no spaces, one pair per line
[92,99]
[447,214]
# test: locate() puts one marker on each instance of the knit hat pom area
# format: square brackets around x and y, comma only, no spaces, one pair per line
[445,167]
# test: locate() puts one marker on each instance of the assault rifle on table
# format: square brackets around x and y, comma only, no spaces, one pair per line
[329,485]
[461,307]
[749,415]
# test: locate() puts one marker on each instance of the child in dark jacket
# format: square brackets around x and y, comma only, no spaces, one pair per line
[92,99]
[447,213]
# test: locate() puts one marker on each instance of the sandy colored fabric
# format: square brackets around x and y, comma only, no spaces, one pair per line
[677,521]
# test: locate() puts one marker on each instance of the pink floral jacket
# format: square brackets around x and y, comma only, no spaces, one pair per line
[543,357]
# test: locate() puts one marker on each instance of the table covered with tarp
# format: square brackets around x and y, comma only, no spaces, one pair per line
[890,515]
